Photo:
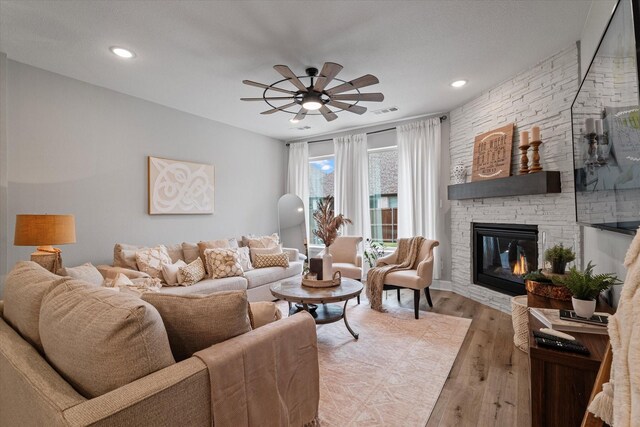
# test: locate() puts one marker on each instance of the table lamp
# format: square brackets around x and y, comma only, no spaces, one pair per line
[43,231]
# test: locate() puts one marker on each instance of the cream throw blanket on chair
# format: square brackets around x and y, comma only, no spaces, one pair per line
[408,250]
[624,330]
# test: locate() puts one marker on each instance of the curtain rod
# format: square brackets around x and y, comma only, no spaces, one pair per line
[442,119]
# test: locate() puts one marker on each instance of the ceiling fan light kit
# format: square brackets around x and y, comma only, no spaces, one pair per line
[315,98]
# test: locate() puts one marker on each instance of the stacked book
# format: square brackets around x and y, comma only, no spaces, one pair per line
[567,321]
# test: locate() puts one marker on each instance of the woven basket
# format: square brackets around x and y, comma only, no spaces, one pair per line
[313,283]
[520,319]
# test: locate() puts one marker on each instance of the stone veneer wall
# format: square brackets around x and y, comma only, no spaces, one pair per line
[540,96]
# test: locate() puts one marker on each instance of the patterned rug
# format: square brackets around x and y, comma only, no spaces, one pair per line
[393,374]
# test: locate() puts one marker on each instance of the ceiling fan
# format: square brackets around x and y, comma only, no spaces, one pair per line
[315,96]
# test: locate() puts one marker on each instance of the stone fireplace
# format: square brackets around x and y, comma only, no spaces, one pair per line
[502,253]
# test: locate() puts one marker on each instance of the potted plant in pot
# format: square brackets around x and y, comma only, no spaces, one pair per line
[559,256]
[585,288]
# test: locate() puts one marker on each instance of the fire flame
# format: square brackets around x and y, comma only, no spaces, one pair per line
[520,267]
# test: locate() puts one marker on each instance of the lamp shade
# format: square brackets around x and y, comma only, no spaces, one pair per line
[44,230]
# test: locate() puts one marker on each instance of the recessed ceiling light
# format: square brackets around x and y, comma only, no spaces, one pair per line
[459,83]
[122,52]
[293,120]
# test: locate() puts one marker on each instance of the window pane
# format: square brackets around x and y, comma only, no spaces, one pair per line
[320,185]
[383,195]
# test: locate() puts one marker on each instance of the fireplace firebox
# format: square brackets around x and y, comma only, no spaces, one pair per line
[502,253]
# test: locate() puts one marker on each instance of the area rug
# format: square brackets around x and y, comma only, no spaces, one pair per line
[393,374]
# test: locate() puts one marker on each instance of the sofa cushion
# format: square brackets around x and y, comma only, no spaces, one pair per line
[190,251]
[195,322]
[192,273]
[124,255]
[150,260]
[170,272]
[209,286]
[263,313]
[261,241]
[348,270]
[86,272]
[175,252]
[263,276]
[223,263]
[100,340]
[110,272]
[271,260]
[24,288]
[211,244]
[263,251]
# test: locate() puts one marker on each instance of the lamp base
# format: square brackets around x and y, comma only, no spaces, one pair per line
[49,259]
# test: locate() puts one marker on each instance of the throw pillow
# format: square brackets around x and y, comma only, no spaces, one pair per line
[125,255]
[192,273]
[100,340]
[264,251]
[195,322]
[244,258]
[24,288]
[211,244]
[109,272]
[150,260]
[275,260]
[263,241]
[223,263]
[87,272]
[190,251]
[170,272]
[175,252]
[263,313]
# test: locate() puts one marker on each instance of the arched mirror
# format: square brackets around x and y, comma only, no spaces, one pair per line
[291,219]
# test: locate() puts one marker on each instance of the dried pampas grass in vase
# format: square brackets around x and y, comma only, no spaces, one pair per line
[328,226]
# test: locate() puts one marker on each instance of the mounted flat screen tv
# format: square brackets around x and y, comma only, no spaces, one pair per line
[606,128]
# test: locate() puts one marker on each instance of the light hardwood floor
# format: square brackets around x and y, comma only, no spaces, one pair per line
[489,382]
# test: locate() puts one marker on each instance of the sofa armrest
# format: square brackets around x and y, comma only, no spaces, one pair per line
[359,261]
[278,366]
[176,395]
[110,272]
[292,253]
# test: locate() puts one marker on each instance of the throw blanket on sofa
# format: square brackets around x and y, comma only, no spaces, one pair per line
[408,250]
[268,377]
[623,330]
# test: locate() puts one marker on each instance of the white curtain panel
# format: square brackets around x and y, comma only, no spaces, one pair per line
[352,183]
[298,175]
[419,181]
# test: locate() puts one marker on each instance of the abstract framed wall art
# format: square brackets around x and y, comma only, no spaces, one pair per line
[180,187]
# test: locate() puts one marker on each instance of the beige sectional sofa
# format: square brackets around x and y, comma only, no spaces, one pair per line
[35,390]
[256,282]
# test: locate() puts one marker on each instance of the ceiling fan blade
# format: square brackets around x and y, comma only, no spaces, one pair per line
[263,86]
[328,114]
[372,97]
[301,114]
[273,98]
[366,80]
[273,110]
[288,74]
[348,107]
[328,73]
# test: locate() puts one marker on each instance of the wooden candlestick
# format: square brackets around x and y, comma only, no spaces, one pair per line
[524,160]
[535,166]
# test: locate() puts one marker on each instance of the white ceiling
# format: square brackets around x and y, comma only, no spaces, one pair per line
[193,55]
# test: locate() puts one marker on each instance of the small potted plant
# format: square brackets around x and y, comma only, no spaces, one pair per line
[559,256]
[373,250]
[585,288]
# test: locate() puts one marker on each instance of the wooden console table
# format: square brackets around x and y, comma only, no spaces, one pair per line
[561,382]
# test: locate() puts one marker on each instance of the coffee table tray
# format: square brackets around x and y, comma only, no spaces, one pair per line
[313,283]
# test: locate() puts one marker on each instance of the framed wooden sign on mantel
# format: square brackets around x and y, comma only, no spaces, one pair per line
[492,154]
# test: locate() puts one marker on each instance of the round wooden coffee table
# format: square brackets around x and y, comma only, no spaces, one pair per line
[293,292]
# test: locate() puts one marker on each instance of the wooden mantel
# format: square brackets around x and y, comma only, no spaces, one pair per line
[544,182]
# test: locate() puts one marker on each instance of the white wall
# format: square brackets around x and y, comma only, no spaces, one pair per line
[606,249]
[81,149]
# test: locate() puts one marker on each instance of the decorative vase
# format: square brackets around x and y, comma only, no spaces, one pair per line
[459,173]
[558,267]
[584,308]
[327,265]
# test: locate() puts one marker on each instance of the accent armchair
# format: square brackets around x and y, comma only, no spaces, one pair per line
[417,279]
[346,258]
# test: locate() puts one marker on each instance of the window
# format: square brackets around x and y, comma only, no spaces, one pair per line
[321,173]
[383,194]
